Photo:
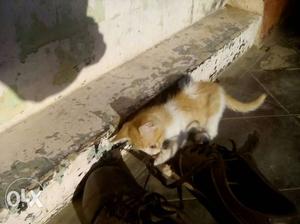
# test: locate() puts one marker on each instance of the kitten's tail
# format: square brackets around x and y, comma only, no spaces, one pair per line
[236,105]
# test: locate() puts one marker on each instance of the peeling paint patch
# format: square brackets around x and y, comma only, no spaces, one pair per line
[108,118]
[58,176]
[55,136]
[96,10]
[3,215]
[30,218]
[41,151]
[96,152]
[10,104]
[37,168]
[210,68]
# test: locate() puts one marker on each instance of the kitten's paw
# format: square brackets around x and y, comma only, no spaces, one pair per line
[162,157]
[167,171]
[202,138]
[152,151]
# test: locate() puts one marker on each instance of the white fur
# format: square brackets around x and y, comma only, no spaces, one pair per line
[213,121]
[165,155]
[191,90]
[152,152]
[167,171]
[179,120]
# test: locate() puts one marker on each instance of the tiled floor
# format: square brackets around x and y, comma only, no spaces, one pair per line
[275,70]
[278,154]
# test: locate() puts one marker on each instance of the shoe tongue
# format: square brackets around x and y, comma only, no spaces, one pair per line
[193,158]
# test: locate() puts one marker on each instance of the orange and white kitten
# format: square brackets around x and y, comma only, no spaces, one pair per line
[203,102]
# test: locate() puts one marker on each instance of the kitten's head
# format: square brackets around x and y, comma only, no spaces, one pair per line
[144,135]
[148,136]
[191,136]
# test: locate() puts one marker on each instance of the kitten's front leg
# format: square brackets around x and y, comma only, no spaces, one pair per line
[167,171]
[213,125]
[169,149]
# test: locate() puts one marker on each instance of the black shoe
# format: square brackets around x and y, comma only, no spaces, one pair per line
[249,184]
[207,171]
[110,194]
[208,183]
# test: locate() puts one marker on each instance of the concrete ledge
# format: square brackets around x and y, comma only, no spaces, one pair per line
[55,146]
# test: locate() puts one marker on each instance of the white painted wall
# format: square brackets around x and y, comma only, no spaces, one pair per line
[43,55]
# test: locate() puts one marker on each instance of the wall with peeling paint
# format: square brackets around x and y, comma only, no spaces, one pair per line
[51,48]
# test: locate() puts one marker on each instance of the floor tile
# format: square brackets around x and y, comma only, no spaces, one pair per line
[238,82]
[278,70]
[67,215]
[244,88]
[278,152]
[284,85]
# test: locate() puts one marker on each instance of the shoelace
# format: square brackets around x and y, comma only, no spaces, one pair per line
[138,210]
[206,150]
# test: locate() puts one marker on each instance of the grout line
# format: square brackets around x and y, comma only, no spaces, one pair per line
[290,189]
[250,70]
[269,93]
[260,116]
[292,69]
[250,67]
[183,199]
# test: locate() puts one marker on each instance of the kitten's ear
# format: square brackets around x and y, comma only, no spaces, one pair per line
[147,130]
[122,135]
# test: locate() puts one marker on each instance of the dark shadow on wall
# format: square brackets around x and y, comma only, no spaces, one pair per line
[45,44]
